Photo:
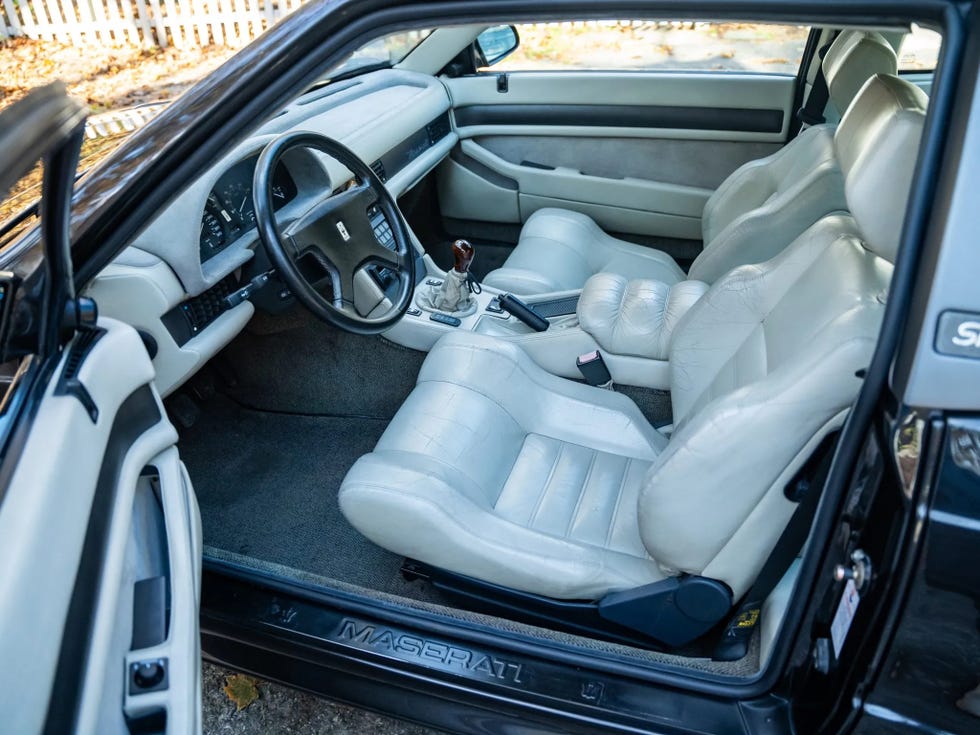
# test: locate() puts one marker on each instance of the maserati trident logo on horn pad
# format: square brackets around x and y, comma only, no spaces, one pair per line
[342,229]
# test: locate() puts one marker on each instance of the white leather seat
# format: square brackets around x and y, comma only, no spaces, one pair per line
[755,213]
[498,470]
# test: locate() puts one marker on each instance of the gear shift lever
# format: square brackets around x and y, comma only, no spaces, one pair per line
[455,293]
[463,252]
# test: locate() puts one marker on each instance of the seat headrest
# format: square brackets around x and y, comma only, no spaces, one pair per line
[852,59]
[877,144]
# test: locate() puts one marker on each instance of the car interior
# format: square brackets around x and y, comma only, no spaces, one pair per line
[546,351]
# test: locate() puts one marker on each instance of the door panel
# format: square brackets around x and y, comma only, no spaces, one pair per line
[698,163]
[640,152]
[82,519]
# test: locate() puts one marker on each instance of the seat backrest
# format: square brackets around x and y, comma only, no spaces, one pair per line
[766,204]
[852,59]
[769,361]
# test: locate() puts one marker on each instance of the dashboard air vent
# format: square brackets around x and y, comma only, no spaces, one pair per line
[379,168]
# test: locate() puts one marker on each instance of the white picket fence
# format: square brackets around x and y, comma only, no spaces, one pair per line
[180,23]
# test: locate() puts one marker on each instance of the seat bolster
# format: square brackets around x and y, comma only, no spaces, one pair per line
[553,254]
[539,402]
[522,281]
[399,503]
[758,183]
[762,233]
[704,512]
[635,316]
[746,188]
[560,249]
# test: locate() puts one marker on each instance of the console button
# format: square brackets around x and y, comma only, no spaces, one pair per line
[450,321]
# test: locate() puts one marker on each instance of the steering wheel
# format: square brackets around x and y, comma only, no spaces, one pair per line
[320,253]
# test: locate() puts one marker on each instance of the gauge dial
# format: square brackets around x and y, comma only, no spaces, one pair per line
[212,232]
[237,196]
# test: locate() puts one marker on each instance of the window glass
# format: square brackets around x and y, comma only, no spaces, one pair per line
[388,50]
[658,45]
[919,50]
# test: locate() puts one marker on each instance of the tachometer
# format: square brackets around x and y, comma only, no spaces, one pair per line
[237,196]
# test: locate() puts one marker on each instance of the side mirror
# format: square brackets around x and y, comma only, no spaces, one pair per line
[495,43]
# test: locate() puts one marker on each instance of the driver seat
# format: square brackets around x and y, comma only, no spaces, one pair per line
[497,470]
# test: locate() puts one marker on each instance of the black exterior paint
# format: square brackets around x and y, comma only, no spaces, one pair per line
[238,618]
[954,518]
[470,682]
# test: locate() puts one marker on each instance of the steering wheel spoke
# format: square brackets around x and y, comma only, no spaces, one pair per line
[378,254]
[334,239]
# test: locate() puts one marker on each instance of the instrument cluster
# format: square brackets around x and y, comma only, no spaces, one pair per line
[230,209]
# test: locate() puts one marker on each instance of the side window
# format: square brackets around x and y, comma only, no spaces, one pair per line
[919,51]
[657,45]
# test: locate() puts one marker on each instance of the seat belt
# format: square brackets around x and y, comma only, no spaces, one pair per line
[806,488]
[812,111]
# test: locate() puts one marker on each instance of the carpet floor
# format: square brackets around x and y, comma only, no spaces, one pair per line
[267,486]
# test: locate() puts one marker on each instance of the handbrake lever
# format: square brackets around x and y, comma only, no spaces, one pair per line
[510,303]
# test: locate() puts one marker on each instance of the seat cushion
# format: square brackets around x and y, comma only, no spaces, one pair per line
[522,479]
[559,250]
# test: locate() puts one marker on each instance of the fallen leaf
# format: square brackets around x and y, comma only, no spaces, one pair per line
[241,690]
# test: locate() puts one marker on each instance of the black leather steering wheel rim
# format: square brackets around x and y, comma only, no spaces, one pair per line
[335,236]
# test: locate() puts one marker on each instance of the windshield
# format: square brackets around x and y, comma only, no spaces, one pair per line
[112,122]
[384,51]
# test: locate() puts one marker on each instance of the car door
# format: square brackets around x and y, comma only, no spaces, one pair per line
[100,536]
[633,124]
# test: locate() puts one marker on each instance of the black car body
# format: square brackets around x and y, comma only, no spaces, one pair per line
[899,514]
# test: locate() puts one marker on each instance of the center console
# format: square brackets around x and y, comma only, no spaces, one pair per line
[628,322]
[421,328]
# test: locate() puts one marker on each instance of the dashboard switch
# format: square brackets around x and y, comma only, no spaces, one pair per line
[245,292]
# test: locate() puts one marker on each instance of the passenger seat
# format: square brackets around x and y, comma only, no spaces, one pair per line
[755,213]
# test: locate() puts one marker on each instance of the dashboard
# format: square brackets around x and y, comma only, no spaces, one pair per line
[171,282]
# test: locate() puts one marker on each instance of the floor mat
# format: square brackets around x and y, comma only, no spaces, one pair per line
[267,486]
[297,364]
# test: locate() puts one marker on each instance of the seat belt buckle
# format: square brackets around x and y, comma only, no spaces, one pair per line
[594,370]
